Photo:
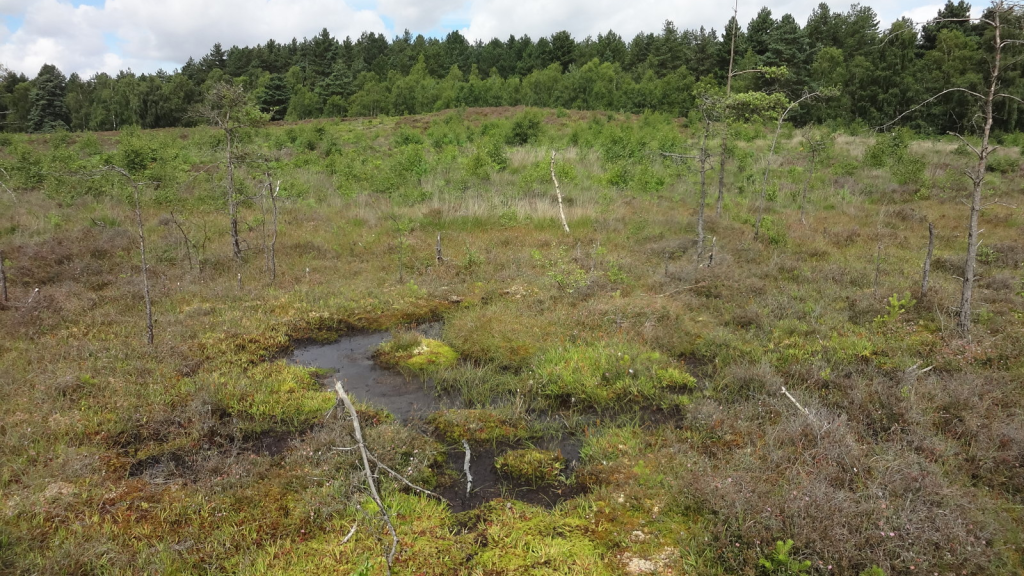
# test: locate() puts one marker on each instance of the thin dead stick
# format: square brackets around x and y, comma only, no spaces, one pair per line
[802,409]
[6,175]
[928,260]
[678,289]
[3,279]
[358,431]
[469,477]
[558,192]
[32,297]
[437,250]
[402,478]
[351,533]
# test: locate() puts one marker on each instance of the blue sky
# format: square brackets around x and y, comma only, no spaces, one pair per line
[87,36]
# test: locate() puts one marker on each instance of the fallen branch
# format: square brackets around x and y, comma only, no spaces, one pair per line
[469,477]
[403,479]
[358,431]
[677,290]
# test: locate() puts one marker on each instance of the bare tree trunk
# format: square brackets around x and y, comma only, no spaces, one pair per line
[928,260]
[273,238]
[558,192]
[142,249]
[437,250]
[978,177]
[725,126]
[188,242]
[3,279]
[807,185]
[145,266]
[704,158]
[236,246]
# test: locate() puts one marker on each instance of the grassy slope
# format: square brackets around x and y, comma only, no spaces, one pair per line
[117,458]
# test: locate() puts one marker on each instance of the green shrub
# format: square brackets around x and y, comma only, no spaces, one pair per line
[779,563]
[1002,164]
[525,128]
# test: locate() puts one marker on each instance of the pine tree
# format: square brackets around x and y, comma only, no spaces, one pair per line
[273,98]
[49,112]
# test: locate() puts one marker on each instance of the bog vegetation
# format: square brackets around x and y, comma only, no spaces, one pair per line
[761,380]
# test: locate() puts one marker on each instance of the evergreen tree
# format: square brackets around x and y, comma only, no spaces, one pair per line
[273,98]
[49,111]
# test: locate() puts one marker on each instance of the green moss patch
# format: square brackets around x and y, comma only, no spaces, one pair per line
[532,466]
[271,397]
[606,373]
[412,351]
[478,426]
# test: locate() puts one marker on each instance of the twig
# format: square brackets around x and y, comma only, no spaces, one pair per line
[358,431]
[6,175]
[351,532]
[3,279]
[802,409]
[402,478]
[469,477]
[678,289]
[30,298]
[558,192]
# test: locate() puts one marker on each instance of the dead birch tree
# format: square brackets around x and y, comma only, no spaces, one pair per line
[227,107]
[270,191]
[1004,20]
[771,153]
[816,144]
[136,193]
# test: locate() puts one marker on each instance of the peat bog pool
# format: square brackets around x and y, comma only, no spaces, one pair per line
[411,399]
[350,361]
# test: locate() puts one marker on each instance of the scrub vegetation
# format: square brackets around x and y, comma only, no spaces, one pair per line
[790,404]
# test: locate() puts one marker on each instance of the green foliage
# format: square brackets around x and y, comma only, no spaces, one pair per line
[1002,164]
[774,231]
[606,374]
[779,562]
[896,306]
[872,571]
[525,128]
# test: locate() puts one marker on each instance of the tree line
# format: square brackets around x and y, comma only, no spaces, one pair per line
[879,74]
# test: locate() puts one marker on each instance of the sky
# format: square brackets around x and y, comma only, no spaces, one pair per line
[89,36]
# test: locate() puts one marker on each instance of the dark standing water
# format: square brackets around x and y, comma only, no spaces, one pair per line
[351,362]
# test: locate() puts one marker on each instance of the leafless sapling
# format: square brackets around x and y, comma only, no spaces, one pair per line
[227,107]
[928,260]
[816,144]
[771,153]
[3,279]
[136,192]
[270,192]
[1004,20]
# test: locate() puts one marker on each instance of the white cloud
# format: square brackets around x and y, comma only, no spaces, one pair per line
[418,15]
[922,13]
[163,33]
[152,34]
